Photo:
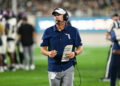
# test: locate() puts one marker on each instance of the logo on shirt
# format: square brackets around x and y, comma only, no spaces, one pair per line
[68,35]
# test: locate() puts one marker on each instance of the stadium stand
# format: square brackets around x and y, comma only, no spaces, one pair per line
[81,8]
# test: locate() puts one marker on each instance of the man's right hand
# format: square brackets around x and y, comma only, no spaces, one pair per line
[108,35]
[52,53]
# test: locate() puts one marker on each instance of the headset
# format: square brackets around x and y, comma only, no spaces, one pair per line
[65,16]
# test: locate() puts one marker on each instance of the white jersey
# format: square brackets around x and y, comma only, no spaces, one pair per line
[109,27]
[3,38]
[19,23]
[115,24]
[12,33]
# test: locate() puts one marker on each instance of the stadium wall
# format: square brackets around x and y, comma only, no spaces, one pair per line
[91,39]
[92,29]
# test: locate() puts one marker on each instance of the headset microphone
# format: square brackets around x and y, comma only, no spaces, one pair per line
[58,22]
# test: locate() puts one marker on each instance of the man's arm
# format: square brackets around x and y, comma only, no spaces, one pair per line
[78,50]
[51,54]
[19,36]
[108,35]
[35,37]
[109,30]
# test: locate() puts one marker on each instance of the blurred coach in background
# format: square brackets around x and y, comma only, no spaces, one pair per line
[27,36]
[55,39]
[107,72]
[115,59]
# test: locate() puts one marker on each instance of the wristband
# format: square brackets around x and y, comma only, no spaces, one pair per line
[75,53]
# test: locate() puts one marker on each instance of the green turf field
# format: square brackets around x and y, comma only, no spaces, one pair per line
[91,64]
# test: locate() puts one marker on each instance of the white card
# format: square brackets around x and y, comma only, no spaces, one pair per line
[52,75]
[67,49]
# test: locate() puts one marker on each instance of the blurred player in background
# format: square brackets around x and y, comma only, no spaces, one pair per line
[4,39]
[115,59]
[107,72]
[20,17]
[27,36]
[1,43]
[13,26]
[55,39]
[10,27]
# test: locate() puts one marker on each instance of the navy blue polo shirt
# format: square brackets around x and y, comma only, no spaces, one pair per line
[57,40]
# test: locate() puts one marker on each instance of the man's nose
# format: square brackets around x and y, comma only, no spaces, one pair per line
[57,17]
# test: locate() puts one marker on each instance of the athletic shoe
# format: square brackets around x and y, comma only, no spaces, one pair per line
[1,69]
[21,66]
[32,67]
[26,67]
[5,67]
[17,66]
[105,79]
[12,68]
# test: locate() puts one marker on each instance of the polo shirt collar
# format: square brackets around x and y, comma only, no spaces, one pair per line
[55,28]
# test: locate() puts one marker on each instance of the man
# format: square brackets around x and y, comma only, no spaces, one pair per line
[3,47]
[19,44]
[10,28]
[107,72]
[1,32]
[27,37]
[1,68]
[55,39]
[115,61]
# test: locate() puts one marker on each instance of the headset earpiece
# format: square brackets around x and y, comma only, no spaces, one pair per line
[66,16]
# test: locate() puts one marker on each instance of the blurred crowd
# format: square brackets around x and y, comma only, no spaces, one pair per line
[81,8]
[15,40]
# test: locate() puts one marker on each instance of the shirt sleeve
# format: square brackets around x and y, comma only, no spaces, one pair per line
[45,39]
[111,27]
[32,27]
[77,39]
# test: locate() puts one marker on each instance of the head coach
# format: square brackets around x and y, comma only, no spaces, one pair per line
[55,39]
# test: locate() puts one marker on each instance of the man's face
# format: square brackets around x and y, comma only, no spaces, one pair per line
[58,17]
[115,18]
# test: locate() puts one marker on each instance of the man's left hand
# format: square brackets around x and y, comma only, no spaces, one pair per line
[70,55]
